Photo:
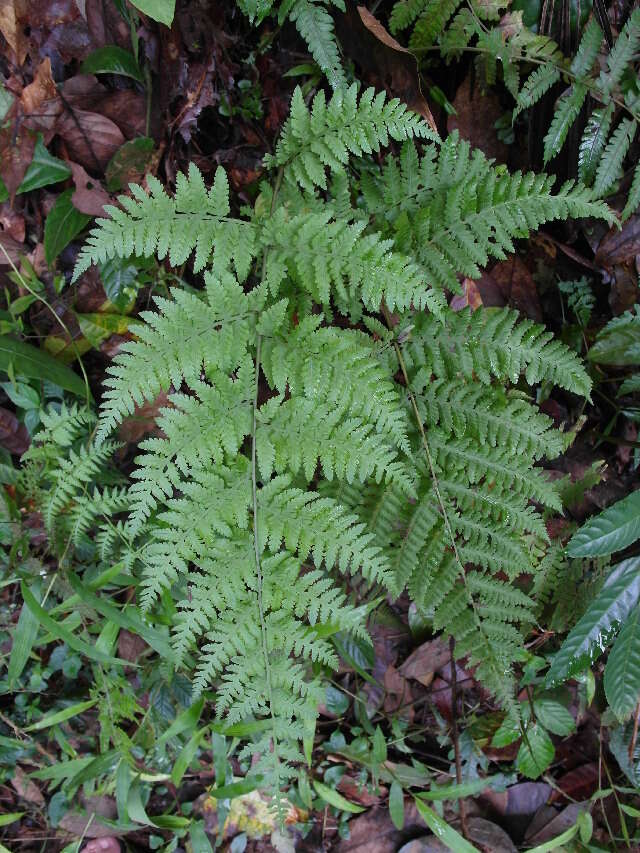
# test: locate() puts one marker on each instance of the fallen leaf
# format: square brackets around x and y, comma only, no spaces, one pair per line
[91,139]
[126,109]
[518,287]
[17,144]
[398,694]
[143,420]
[26,788]
[368,43]
[88,826]
[89,196]
[13,16]
[357,792]
[14,436]
[490,836]
[475,118]
[547,825]
[43,88]
[577,784]
[12,222]
[620,246]
[104,845]
[423,663]
[469,298]
[130,646]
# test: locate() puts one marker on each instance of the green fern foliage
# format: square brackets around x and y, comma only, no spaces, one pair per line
[611,127]
[290,457]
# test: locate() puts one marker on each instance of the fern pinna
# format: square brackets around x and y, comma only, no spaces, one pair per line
[290,453]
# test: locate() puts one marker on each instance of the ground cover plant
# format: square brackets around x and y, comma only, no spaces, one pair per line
[319,524]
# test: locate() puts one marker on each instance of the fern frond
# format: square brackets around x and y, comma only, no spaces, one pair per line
[174,344]
[155,223]
[328,134]
[566,112]
[432,22]
[535,87]
[593,142]
[404,13]
[633,200]
[621,54]
[610,165]
[315,25]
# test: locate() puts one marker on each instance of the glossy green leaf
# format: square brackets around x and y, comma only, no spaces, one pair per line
[120,282]
[236,789]
[62,633]
[442,830]
[396,804]
[186,756]
[112,59]
[622,673]
[63,223]
[612,530]
[590,637]
[379,753]
[554,716]
[335,799]
[536,752]
[160,10]
[34,363]
[10,817]
[60,716]
[24,637]
[44,169]
[198,837]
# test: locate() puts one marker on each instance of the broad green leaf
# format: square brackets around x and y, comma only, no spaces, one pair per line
[396,804]
[557,842]
[198,837]
[130,618]
[186,756]
[622,673]
[112,59]
[24,636]
[61,633]
[456,792]
[60,716]
[98,766]
[44,169]
[612,530]
[120,282]
[129,163]
[236,789]
[63,223]
[184,722]
[98,327]
[442,830]
[379,754]
[64,770]
[335,799]
[34,363]
[554,716]
[590,637]
[536,752]
[10,817]
[336,702]
[159,10]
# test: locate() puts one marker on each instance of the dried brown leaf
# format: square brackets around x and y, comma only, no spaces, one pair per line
[14,436]
[423,663]
[89,196]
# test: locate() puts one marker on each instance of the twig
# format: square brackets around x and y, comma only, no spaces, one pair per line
[454,734]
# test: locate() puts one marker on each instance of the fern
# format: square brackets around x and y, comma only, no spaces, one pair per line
[287,458]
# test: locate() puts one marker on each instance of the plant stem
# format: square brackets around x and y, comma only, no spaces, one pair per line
[454,734]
